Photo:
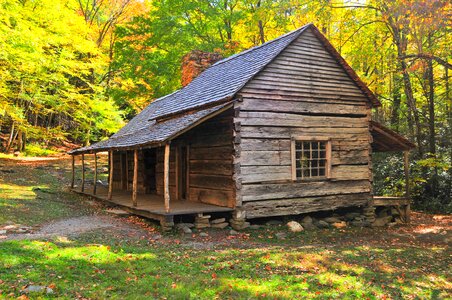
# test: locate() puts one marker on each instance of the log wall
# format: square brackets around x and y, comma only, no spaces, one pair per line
[210,166]
[303,92]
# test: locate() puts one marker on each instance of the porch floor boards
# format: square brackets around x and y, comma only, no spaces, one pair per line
[151,205]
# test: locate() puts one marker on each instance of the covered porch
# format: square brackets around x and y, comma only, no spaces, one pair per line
[387,140]
[159,175]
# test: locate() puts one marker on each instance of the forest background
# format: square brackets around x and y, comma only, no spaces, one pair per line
[74,71]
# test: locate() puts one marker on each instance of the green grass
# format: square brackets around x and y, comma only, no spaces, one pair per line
[111,268]
[322,264]
[33,195]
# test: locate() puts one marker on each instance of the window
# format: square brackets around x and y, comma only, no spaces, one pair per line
[310,158]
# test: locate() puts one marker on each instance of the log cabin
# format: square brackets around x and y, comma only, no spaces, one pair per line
[283,128]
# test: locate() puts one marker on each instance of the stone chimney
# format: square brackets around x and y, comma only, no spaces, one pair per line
[196,62]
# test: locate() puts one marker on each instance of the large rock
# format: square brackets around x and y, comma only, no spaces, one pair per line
[322,224]
[352,215]
[185,229]
[380,222]
[332,220]
[218,221]
[308,223]
[295,226]
[37,289]
[220,225]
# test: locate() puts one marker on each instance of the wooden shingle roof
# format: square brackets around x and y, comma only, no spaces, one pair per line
[206,94]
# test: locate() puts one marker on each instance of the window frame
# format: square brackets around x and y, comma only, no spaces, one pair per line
[295,139]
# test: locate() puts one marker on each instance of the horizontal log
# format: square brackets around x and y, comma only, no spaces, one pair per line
[253,174]
[313,80]
[284,132]
[212,167]
[267,191]
[350,157]
[296,120]
[251,104]
[306,95]
[265,144]
[303,205]
[304,86]
[350,172]
[224,152]
[255,158]
[215,197]
[218,182]
[305,91]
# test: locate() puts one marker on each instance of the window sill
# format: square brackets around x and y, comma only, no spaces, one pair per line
[312,179]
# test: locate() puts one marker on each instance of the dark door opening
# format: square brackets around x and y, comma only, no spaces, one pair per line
[183,172]
[150,160]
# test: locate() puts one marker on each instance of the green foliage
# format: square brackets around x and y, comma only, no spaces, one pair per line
[39,150]
[50,72]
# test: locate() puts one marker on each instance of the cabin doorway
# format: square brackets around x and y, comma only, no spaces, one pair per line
[182,172]
[150,161]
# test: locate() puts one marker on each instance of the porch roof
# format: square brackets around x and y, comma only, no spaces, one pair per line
[385,139]
[155,132]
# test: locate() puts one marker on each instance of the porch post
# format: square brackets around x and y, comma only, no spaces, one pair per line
[110,176]
[127,170]
[166,177]
[83,173]
[95,174]
[73,172]
[135,177]
[406,167]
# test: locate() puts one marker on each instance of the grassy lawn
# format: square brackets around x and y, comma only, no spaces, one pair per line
[323,264]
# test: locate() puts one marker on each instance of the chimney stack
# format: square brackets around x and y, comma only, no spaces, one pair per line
[195,62]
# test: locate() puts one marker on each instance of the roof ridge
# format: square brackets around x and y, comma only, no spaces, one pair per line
[261,45]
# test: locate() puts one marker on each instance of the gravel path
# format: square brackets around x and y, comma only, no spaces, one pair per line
[77,226]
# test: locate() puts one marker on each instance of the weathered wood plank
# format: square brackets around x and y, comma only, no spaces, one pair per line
[350,172]
[224,152]
[255,158]
[110,176]
[256,192]
[264,144]
[166,192]
[135,177]
[214,167]
[254,174]
[223,198]
[303,205]
[295,120]
[284,132]
[303,87]
[215,182]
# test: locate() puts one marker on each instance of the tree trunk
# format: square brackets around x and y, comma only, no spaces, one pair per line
[397,97]
[411,102]
[10,140]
